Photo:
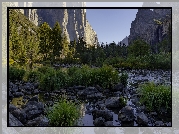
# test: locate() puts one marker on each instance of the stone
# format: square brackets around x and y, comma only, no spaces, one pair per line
[39,121]
[18,94]
[79,87]
[159,124]
[33,109]
[13,121]
[12,108]
[113,102]
[126,114]
[14,88]
[34,98]
[142,119]
[36,91]
[108,124]
[95,96]
[107,115]
[99,122]
[118,87]
[20,115]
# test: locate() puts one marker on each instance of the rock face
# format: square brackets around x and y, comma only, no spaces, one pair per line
[73,22]
[145,27]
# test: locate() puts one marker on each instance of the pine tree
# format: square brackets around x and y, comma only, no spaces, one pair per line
[45,44]
[56,41]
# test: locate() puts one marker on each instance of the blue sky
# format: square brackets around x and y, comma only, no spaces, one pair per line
[111,24]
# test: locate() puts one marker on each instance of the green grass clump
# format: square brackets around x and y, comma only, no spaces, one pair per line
[154,97]
[63,113]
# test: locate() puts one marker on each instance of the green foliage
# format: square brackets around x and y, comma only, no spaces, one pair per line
[63,113]
[122,101]
[33,76]
[139,48]
[16,73]
[123,79]
[48,80]
[45,44]
[154,97]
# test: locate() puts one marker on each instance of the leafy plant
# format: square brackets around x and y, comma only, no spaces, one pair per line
[123,79]
[63,113]
[154,97]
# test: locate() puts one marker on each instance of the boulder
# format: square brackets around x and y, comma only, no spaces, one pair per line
[114,102]
[34,98]
[108,124]
[126,114]
[118,87]
[39,121]
[99,122]
[106,114]
[18,94]
[89,91]
[20,115]
[33,109]
[12,108]
[142,119]
[13,121]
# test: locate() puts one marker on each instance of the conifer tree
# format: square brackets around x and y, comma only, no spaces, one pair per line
[56,40]
[45,44]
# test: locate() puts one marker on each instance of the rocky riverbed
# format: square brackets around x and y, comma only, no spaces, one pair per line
[99,107]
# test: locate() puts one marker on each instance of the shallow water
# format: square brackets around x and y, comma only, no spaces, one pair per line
[135,78]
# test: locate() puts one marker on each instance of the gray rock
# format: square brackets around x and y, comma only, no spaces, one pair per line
[20,115]
[95,96]
[12,108]
[142,119]
[14,88]
[36,91]
[108,123]
[33,109]
[13,121]
[118,87]
[99,122]
[107,115]
[18,94]
[34,98]
[126,114]
[39,121]
[159,124]
[112,102]
[89,91]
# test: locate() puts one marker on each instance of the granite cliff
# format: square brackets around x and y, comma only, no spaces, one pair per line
[146,26]
[73,22]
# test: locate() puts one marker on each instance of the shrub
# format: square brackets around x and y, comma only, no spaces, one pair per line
[123,79]
[16,73]
[63,113]
[33,76]
[155,96]
[62,78]
[48,80]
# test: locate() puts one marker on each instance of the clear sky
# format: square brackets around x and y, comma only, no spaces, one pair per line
[111,24]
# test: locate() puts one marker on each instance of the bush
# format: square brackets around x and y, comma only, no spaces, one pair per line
[33,76]
[63,79]
[16,73]
[48,80]
[123,79]
[155,96]
[63,113]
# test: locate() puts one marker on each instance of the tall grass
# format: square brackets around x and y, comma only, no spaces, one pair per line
[154,97]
